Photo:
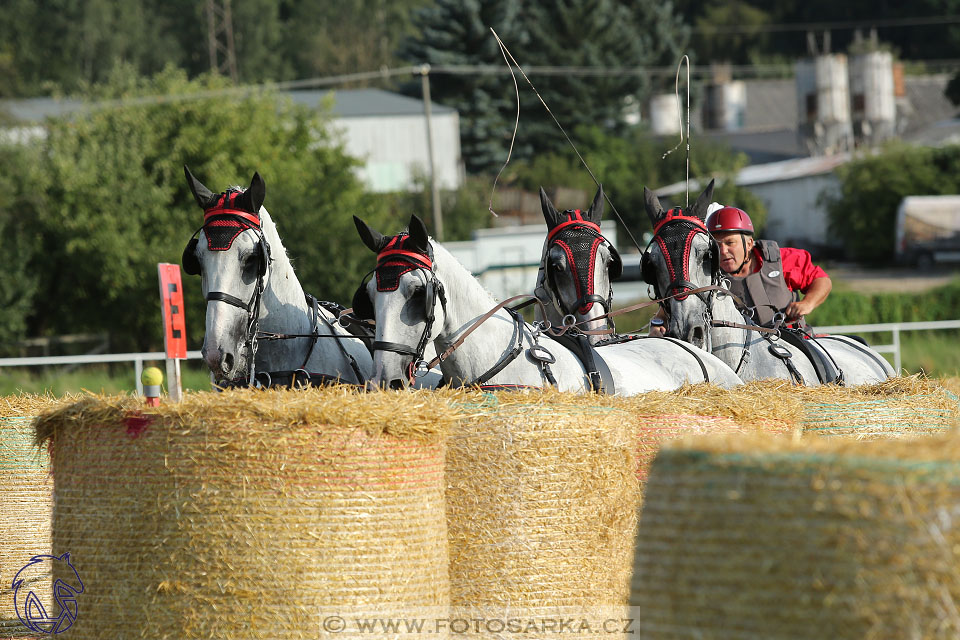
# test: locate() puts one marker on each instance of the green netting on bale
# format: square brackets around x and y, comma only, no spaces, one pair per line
[755,538]
[26,502]
[249,514]
[542,495]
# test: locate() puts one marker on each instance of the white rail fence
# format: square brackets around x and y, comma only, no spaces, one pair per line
[895,328]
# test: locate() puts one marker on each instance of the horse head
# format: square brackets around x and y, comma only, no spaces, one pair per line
[232,255]
[578,265]
[406,299]
[681,257]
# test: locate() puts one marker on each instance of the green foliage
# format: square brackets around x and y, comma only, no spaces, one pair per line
[863,212]
[463,210]
[21,186]
[850,307]
[454,32]
[115,202]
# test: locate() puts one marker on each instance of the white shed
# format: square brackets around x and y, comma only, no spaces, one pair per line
[791,189]
[388,132]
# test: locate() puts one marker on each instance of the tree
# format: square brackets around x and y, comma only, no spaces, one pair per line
[863,212]
[603,34]
[457,32]
[21,198]
[115,200]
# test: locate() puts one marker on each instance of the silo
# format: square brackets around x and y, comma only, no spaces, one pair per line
[872,96]
[824,103]
[726,105]
[664,117]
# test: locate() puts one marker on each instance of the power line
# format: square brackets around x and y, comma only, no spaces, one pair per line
[822,26]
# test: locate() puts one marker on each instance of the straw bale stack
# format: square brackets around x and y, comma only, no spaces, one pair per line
[542,497]
[902,407]
[26,498]
[250,514]
[762,537]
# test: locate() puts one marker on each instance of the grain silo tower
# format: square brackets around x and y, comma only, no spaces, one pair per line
[873,104]
[824,103]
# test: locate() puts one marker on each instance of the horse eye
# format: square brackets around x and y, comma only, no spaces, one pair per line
[556,266]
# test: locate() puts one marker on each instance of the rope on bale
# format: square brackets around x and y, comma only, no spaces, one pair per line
[250,514]
[542,496]
[753,537]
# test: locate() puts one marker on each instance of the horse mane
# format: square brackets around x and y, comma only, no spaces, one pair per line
[451,269]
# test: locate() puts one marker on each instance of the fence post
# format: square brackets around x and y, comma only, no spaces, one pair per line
[137,371]
[896,348]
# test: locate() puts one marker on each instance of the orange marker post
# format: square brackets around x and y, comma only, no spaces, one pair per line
[174,325]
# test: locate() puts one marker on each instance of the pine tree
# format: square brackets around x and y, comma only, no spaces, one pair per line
[601,34]
[457,32]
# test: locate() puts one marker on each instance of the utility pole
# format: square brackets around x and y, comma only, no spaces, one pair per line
[435,191]
[223,57]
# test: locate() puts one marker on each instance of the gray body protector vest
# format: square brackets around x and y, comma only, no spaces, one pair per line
[766,289]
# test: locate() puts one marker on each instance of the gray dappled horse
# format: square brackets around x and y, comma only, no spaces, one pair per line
[683,256]
[576,267]
[421,294]
[252,292]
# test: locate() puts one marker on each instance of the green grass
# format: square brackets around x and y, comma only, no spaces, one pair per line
[114,378]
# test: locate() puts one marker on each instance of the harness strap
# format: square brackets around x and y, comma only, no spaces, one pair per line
[508,357]
[220,296]
[395,347]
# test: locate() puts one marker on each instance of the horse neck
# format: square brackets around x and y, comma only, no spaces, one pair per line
[467,301]
[726,310]
[283,307]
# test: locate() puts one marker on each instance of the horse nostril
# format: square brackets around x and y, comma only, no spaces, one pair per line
[397,384]
[227,363]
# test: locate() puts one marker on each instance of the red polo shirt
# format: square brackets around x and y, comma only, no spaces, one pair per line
[798,268]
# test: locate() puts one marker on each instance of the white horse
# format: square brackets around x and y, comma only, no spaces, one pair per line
[682,239]
[421,294]
[253,295]
[576,267]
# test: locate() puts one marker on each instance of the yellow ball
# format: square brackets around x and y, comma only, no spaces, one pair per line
[151,376]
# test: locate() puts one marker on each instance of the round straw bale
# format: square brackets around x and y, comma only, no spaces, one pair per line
[903,407]
[250,514]
[542,497]
[26,498]
[762,537]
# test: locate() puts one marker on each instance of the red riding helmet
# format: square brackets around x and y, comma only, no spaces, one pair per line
[729,219]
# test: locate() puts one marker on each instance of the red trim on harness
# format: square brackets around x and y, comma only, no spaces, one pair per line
[419,258]
[573,268]
[673,217]
[249,217]
[583,223]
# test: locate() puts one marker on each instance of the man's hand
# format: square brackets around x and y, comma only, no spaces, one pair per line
[795,310]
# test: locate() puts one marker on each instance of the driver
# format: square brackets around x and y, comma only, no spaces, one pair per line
[762,274]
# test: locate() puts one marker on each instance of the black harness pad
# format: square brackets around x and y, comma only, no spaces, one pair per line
[826,370]
[580,346]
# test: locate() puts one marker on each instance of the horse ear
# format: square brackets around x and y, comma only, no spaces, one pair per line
[257,192]
[549,211]
[654,209]
[418,233]
[699,208]
[595,212]
[374,240]
[201,194]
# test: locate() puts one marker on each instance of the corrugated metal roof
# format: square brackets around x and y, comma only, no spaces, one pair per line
[770,172]
[354,103]
[347,103]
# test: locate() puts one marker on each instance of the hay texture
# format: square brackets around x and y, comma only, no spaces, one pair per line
[902,407]
[26,498]
[766,538]
[249,514]
[542,496]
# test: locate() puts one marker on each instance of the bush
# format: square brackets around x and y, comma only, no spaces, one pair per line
[863,212]
[113,201]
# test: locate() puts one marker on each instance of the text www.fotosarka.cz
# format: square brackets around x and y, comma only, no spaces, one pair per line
[614,621]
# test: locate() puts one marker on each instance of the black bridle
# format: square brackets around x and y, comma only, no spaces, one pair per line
[392,256]
[580,240]
[242,221]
